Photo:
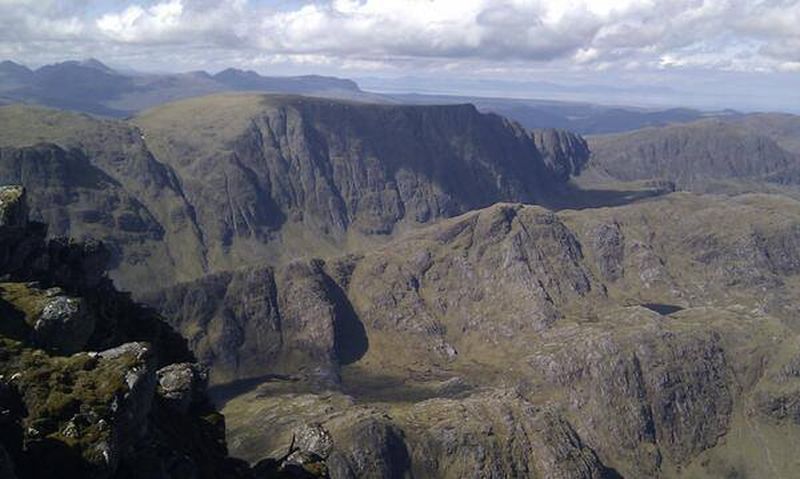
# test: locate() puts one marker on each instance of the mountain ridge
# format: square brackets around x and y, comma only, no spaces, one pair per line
[286,174]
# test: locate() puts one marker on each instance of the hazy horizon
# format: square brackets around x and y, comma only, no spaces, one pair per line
[709,54]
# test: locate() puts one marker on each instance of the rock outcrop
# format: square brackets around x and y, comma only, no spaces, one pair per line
[564,152]
[81,394]
[260,321]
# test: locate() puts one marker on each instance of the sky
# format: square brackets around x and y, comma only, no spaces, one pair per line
[709,53]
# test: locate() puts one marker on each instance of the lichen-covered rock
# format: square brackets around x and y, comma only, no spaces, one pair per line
[13,206]
[315,439]
[93,414]
[54,321]
[306,465]
[64,326]
[183,384]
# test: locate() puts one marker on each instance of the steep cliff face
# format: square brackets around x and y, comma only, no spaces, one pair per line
[206,185]
[260,321]
[91,178]
[564,152]
[693,154]
[337,167]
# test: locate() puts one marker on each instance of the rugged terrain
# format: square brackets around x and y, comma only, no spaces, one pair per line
[651,340]
[211,184]
[92,384]
[699,155]
[382,291]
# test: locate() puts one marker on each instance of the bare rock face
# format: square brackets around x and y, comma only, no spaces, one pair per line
[104,187]
[656,392]
[329,168]
[649,340]
[370,447]
[497,434]
[493,274]
[560,452]
[777,395]
[564,152]
[307,310]
[609,245]
[257,321]
[690,155]
[230,320]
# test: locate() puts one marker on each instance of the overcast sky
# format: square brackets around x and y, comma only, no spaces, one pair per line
[713,53]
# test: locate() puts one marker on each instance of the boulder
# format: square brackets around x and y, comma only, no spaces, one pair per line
[182,385]
[315,439]
[64,325]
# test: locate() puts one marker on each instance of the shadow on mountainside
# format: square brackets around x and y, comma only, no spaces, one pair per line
[222,393]
[579,199]
[350,337]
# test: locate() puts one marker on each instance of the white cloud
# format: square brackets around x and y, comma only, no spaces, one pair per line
[753,35]
[136,23]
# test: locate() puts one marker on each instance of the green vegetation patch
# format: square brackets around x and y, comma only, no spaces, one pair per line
[25,299]
[68,399]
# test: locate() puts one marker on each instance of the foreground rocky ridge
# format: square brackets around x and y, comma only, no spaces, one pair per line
[92,384]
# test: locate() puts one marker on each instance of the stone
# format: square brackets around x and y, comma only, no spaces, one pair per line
[64,325]
[315,439]
[182,385]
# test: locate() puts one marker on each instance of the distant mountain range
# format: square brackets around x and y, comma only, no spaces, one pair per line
[583,118]
[92,87]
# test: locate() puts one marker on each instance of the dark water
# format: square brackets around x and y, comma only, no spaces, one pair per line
[664,309]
